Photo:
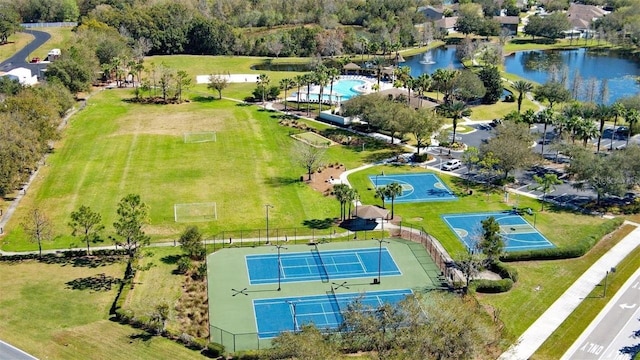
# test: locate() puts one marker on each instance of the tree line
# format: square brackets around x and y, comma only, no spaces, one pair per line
[30,118]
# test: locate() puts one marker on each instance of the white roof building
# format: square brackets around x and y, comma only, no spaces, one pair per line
[23,75]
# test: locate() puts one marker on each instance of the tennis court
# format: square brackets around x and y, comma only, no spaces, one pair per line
[276,315]
[416,187]
[516,232]
[316,265]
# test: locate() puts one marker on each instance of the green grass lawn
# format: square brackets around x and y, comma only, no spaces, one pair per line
[15,42]
[156,282]
[41,314]
[568,332]
[113,148]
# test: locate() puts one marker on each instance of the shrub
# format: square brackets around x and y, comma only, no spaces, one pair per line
[247,355]
[184,265]
[214,350]
[505,271]
[492,286]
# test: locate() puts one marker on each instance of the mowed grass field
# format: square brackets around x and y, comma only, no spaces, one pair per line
[15,42]
[42,314]
[113,148]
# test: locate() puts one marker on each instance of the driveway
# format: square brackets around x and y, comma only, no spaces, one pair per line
[19,59]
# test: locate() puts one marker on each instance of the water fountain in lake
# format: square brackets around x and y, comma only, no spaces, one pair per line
[427,59]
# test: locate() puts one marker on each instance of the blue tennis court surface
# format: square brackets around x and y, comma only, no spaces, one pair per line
[516,232]
[320,265]
[417,187]
[276,315]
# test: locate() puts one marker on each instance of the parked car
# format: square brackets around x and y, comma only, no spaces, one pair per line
[35,60]
[452,165]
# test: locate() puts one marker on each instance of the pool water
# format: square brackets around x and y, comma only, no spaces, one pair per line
[346,88]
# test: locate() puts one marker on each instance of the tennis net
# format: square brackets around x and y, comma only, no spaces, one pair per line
[324,275]
[334,303]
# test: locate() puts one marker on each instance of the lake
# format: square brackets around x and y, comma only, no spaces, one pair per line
[620,71]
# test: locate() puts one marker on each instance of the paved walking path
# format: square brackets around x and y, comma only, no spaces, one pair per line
[548,322]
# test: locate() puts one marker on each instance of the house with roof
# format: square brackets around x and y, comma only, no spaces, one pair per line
[22,75]
[508,22]
[447,24]
[431,13]
[582,16]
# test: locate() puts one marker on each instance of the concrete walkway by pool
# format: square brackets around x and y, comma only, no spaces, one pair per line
[548,322]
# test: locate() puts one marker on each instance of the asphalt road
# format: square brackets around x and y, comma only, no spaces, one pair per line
[609,336]
[19,59]
[8,352]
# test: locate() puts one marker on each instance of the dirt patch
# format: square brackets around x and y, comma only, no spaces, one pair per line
[154,122]
[321,181]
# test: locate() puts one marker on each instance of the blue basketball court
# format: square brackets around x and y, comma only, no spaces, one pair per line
[416,187]
[276,315]
[516,232]
[316,265]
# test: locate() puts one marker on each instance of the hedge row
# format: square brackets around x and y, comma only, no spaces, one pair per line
[492,286]
[67,254]
[566,252]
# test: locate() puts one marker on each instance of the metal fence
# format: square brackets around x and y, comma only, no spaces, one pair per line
[247,341]
[442,259]
[256,237]
[49,24]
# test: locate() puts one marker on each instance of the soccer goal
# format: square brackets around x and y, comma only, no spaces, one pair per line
[199,137]
[194,212]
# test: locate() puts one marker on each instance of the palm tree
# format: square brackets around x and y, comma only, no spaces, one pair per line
[381,193]
[546,184]
[545,117]
[263,83]
[403,76]
[522,87]
[603,113]
[341,192]
[392,191]
[333,74]
[352,196]
[586,130]
[308,80]
[631,117]
[422,85]
[617,109]
[286,84]
[443,82]
[456,110]
[321,79]
[299,81]
[378,63]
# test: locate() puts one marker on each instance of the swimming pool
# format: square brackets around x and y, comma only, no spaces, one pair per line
[344,88]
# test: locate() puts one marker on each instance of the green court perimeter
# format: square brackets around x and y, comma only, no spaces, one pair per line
[231,313]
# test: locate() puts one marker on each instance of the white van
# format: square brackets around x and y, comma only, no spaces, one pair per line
[452,165]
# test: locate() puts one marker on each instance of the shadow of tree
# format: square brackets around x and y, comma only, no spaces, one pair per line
[277,181]
[204,99]
[632,350]
[82,261]
[144,336]
[100,282]
[318,223]
[533,41]
[170,259]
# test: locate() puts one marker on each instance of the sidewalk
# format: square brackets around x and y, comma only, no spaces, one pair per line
[548,322]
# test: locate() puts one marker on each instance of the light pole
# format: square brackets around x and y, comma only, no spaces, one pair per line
[279,266]
[605,280]
[380,257]
[267,206]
